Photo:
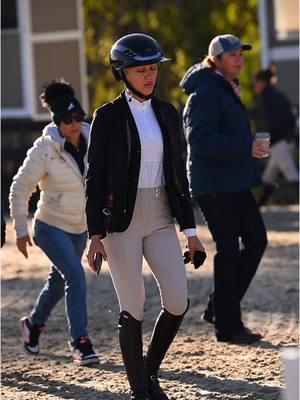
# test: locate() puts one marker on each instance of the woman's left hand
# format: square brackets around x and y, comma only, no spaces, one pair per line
[194,244]
[95,246]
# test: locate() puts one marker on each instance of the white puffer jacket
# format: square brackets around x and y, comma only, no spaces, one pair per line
[62,199]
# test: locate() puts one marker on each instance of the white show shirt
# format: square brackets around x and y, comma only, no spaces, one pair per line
[152,148]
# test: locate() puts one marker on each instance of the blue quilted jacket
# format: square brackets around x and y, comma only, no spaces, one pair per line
[218,134]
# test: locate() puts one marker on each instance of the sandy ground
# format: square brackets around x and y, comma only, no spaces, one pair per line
[197,367]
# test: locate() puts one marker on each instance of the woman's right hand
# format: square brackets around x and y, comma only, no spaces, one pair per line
[22,244]
[95,246]
[259,150]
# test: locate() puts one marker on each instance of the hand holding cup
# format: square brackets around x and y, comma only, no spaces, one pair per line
[261,145]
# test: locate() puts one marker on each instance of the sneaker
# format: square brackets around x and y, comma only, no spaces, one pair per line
[30,333]
[83,353]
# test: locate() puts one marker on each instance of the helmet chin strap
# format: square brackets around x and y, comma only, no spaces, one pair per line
[135,91]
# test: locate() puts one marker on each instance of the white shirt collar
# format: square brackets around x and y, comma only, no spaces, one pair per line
[135,104]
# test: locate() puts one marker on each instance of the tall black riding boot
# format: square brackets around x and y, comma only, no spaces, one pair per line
[131,344]
[165,330]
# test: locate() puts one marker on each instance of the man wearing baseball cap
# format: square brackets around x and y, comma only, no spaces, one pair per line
[222,169]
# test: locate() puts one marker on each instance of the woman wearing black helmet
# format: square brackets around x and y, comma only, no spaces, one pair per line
[136,183]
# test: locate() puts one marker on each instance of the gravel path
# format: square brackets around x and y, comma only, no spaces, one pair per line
[197,367]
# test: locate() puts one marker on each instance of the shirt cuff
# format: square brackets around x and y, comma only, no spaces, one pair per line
[21,231]
[190,232]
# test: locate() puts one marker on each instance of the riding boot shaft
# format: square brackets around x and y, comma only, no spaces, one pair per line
[165,330]
[131,344]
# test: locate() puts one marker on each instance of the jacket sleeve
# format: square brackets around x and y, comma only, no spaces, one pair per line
[23,185]
[188,220]
[97,172]
[202,120]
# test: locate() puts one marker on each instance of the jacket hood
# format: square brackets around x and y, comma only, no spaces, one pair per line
[197,76]
[51,132]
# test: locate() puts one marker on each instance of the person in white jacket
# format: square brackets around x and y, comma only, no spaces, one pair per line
[57,164]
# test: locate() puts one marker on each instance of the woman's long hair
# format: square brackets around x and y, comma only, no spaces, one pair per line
[207,62]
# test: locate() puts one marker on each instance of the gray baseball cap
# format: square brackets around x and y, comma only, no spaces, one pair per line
[226,43]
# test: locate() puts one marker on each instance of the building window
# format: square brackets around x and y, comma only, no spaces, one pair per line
[9,14]
[286,15]
[11,68]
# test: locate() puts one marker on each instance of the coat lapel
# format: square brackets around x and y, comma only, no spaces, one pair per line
[165,128]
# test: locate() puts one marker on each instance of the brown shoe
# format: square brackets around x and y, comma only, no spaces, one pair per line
[248,331]
[244,336]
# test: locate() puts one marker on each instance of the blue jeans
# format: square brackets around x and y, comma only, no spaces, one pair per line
[66,277]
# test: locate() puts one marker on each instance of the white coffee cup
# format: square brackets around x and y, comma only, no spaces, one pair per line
[264,137]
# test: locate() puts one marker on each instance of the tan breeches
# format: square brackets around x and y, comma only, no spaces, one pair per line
[151,234]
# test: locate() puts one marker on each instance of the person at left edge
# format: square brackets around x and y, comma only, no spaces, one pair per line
[3,229]
[57,163]
[136,183]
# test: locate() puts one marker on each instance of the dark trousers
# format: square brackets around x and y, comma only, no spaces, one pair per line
[240,236]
